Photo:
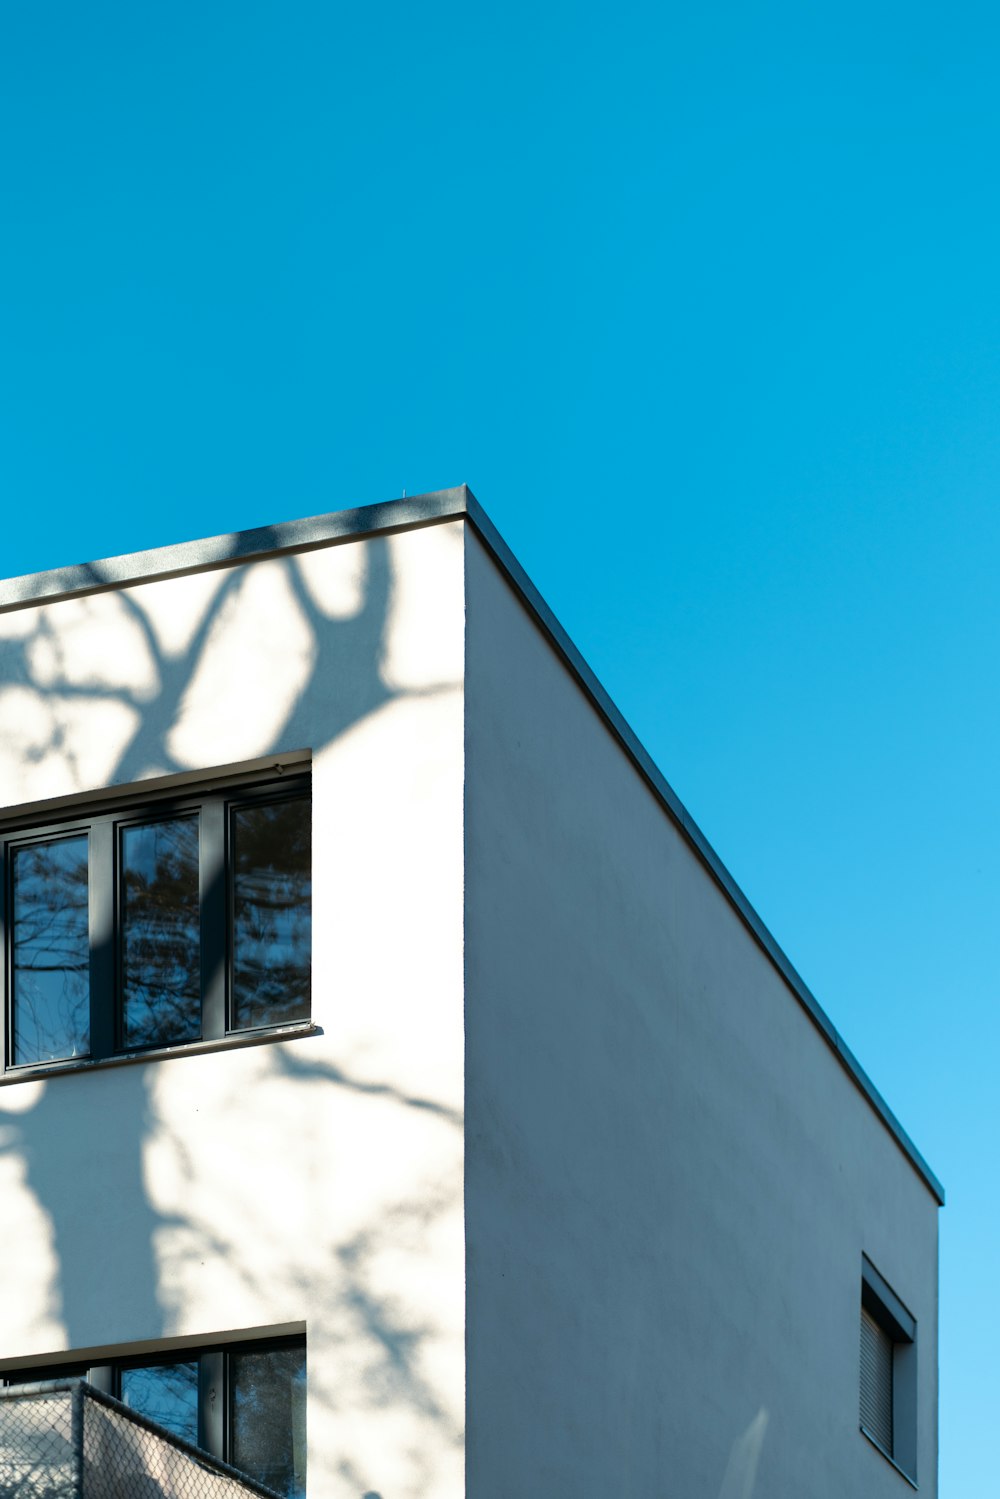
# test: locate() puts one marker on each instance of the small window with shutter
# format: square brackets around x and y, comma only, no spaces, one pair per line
[888,1404]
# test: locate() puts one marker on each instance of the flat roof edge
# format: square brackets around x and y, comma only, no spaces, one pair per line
[429,509]
[695,837]
[237,546]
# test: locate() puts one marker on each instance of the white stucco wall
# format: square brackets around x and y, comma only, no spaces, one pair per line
[670,1181]
[315,1183]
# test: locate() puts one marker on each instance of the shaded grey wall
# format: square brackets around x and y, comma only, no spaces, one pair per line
[670,1180]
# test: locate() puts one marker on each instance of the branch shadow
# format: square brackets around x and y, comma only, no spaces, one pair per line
[107,1242]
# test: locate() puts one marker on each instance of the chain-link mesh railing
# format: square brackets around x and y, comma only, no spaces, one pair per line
[65,1440]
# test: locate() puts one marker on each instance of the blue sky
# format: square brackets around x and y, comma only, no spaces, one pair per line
[705,309]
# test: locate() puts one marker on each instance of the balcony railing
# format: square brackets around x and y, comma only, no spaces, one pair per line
[65,1440]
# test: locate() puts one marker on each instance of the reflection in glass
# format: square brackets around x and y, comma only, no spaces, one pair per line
[51,978]
[272,892]
[166,1393]
[268,1413]
[161,952]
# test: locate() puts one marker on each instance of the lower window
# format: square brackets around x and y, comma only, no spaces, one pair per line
[244,1403]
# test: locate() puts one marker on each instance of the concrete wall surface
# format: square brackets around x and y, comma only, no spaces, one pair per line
[670,1180]
[314,1183]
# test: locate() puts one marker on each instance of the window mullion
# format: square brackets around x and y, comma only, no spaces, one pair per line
[6,959]
[214,918]
[102,1377]
[102,938]
[212,1403]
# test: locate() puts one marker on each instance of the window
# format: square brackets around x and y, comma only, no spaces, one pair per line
[888,1372]
[158,922]
[244,1403]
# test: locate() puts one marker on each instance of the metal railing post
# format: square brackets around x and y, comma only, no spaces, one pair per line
[76,1438]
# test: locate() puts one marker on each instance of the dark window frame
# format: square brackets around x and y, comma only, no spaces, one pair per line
[213,802]
[898,1324]
[215,1402]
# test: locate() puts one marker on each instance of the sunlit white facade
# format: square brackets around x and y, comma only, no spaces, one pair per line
[567,1183]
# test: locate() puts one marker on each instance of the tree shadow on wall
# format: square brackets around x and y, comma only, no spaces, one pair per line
[381,1337]
[94,1127]
[344,671]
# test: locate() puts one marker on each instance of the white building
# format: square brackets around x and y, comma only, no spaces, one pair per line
[538,1145]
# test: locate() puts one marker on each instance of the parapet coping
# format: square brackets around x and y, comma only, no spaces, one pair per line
[430,509]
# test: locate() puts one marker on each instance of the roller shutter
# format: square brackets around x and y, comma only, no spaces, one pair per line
[876,1380]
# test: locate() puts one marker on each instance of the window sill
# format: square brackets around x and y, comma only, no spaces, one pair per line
[35,1070]
[888,1457]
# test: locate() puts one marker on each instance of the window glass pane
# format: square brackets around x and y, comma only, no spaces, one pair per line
[166,1393]
[272,890]
[161,945]
[51,978]
[268,1411]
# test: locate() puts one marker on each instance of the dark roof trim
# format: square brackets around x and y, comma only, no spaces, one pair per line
[428,509]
